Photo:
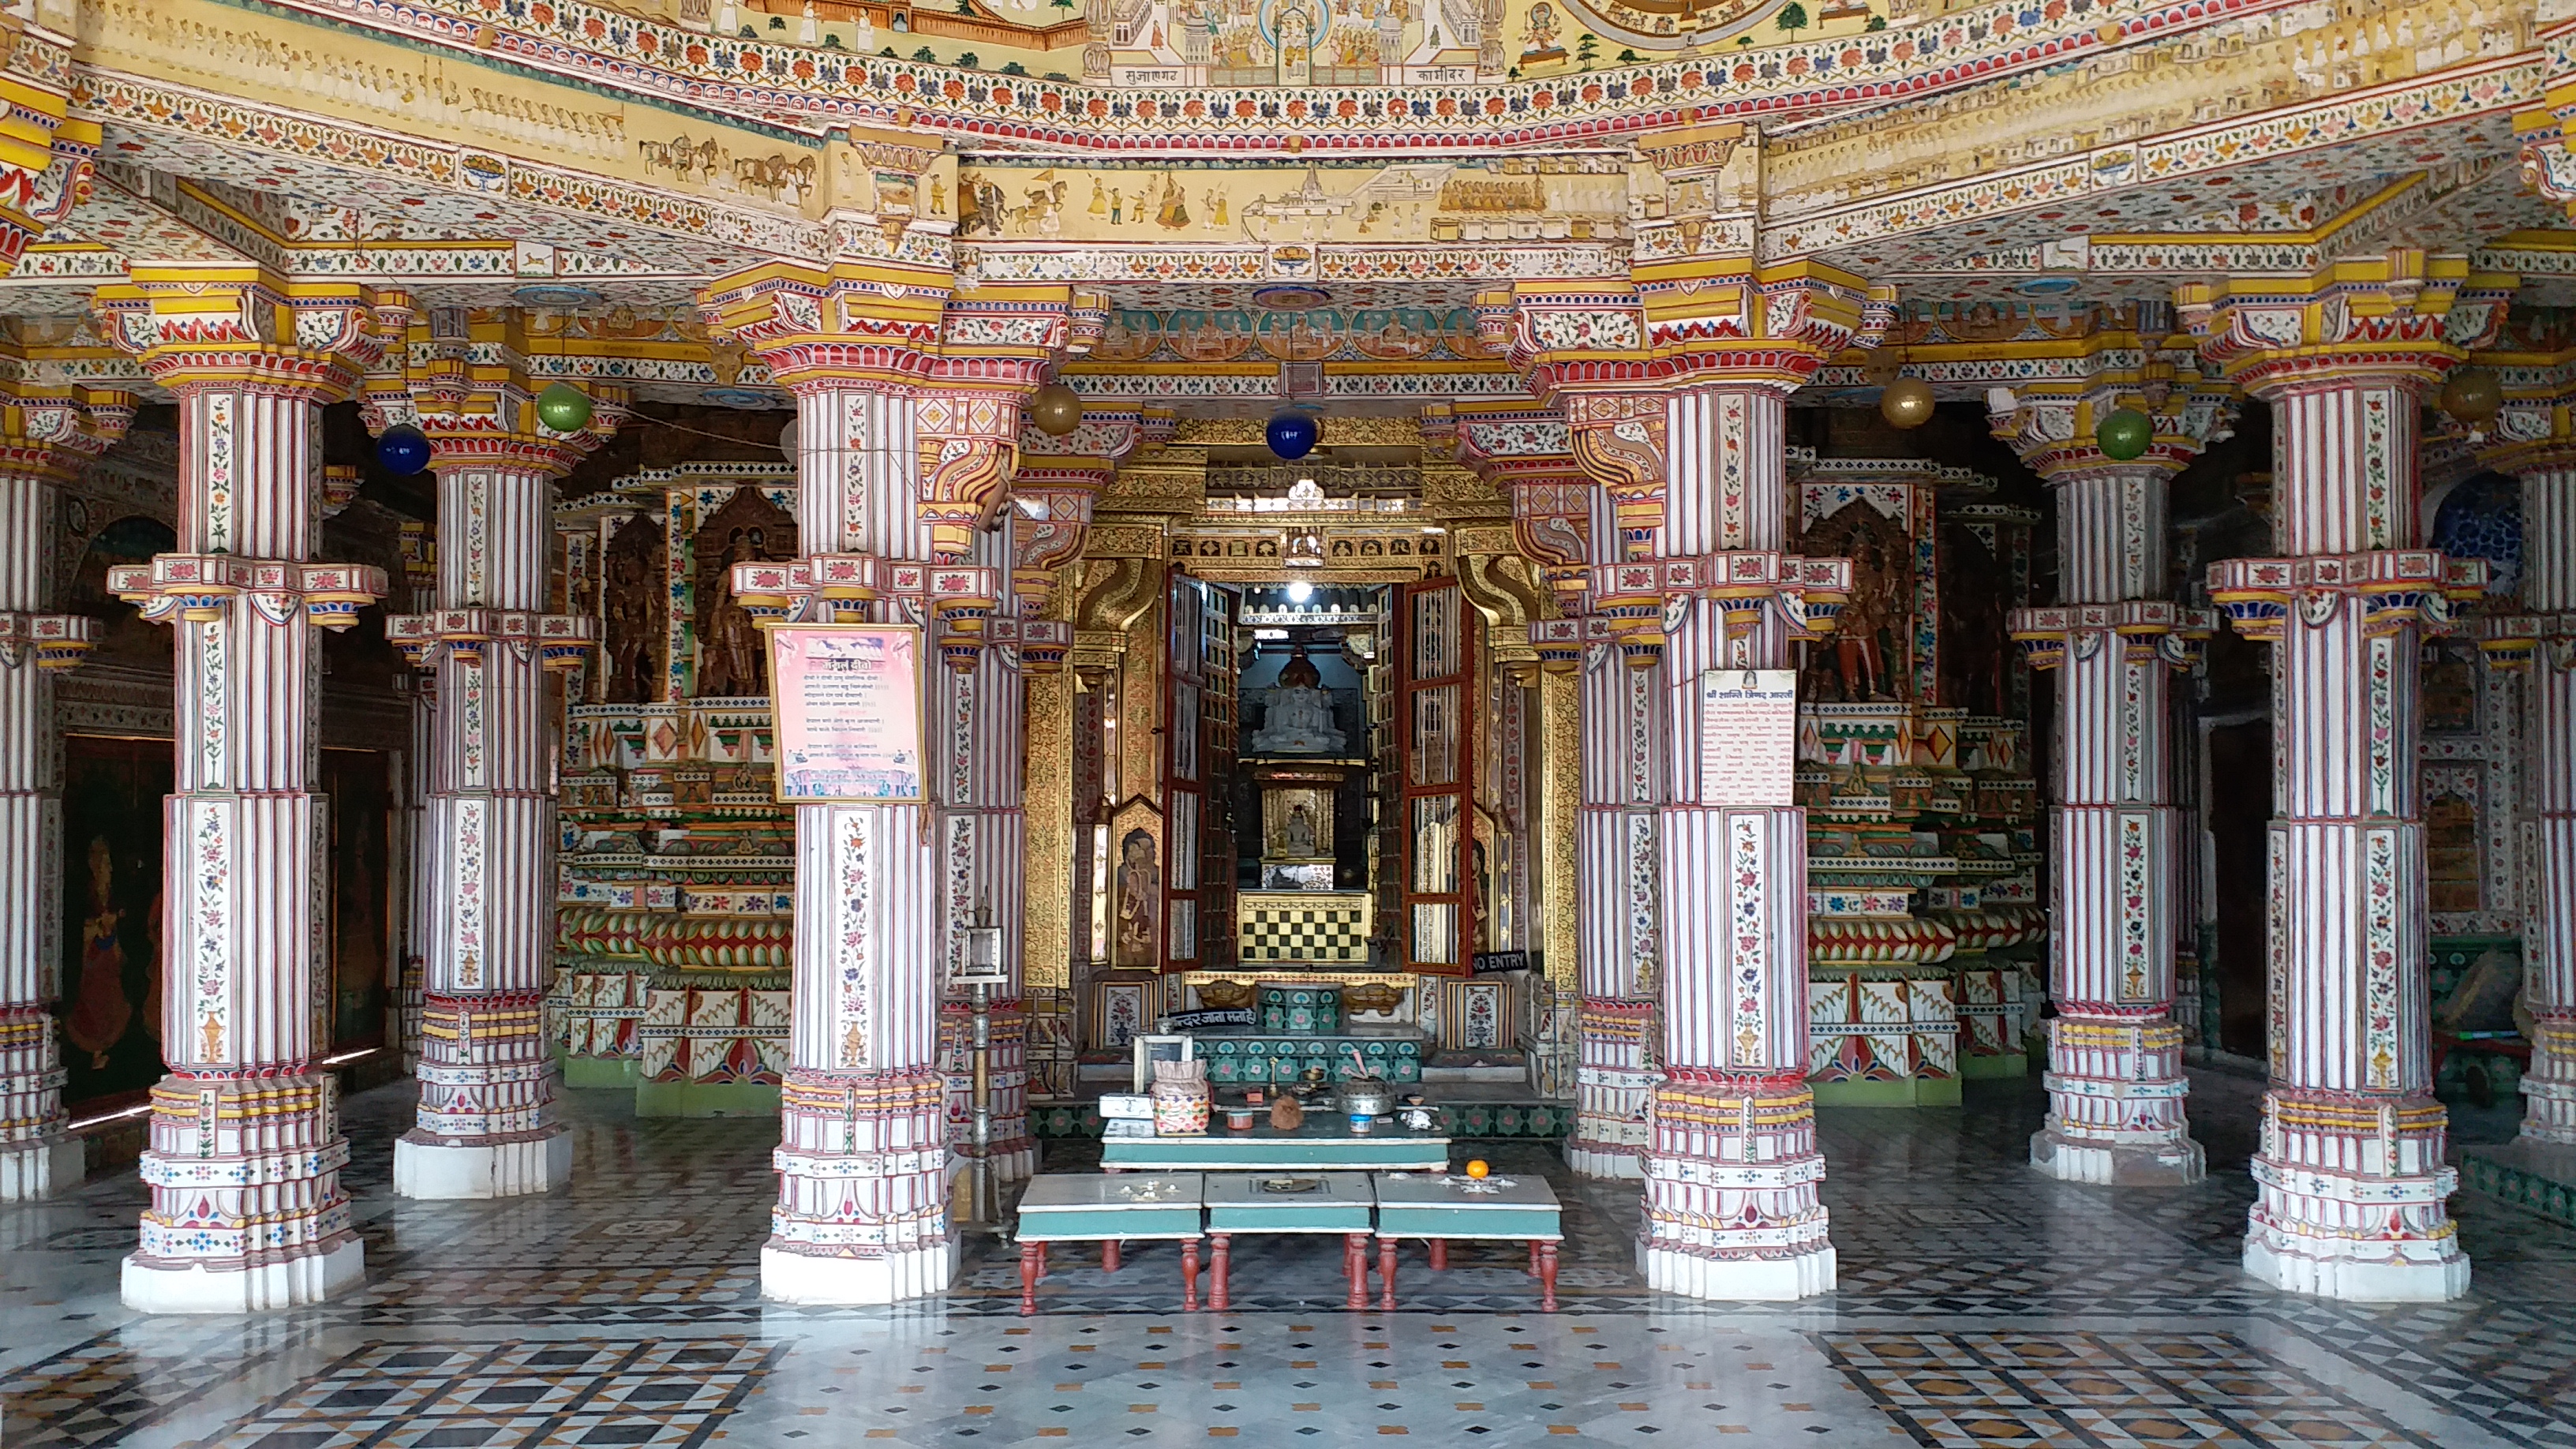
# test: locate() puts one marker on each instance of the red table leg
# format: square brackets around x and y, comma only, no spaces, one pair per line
[1355,1267]
[1386,1275]
[1190,1274]
[1439,1255]
[1533,1247]
[1108,1255]
[1547,1276]
[1220,1245]
[1029,1255]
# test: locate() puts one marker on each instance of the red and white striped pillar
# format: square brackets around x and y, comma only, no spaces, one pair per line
[2351,1177]
[2541,642]
[1732,1168]
[245,1152]
[2115,1081]
[42,438]
[488,1124]
[894,470]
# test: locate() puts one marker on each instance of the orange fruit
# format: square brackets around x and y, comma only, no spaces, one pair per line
[1478,1168]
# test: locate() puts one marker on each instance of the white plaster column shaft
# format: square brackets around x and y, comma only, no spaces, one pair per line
[2549,920]
[247,1210]
[37,1158]
[1732,1168]
[863,1160]
[488,1124]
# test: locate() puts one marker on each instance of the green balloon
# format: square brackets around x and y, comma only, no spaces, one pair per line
[2125,434]
[564,408]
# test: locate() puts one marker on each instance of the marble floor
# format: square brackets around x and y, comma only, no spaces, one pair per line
[1979,1305]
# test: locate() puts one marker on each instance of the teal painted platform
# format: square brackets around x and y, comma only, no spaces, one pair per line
[2527,1175]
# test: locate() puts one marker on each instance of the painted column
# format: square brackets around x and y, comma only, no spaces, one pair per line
[1732,1168]
[42,438]
[2115,1081]
[488,1125]
[2351,1174]
[245,1152]
[895,471]
[2542,642]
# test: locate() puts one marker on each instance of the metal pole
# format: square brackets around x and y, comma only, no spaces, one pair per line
[986,1210]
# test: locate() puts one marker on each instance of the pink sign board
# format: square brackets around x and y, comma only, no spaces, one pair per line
[847,712]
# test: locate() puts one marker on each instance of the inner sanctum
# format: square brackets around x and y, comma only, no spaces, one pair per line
[703,697]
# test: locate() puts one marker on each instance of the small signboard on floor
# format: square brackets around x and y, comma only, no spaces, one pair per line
[1748,736]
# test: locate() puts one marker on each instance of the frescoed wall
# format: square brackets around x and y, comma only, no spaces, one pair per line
[111,884]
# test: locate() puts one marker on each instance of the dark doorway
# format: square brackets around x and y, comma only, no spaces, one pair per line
[2240,809]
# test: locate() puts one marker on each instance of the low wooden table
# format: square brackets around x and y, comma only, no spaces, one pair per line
[1064,1207]
[1324,1144]
[1238,1202]
[1440,1208]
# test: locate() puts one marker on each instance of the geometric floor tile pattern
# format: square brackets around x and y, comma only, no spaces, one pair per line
[1977,1304]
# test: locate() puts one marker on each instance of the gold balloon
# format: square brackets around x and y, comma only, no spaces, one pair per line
[1906,402]
[2473,395]
[1056,410]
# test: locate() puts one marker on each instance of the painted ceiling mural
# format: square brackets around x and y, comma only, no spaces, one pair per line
[1256,43]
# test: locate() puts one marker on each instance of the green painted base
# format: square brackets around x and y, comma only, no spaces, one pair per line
[2016,1065]
[1912,1092]
[2528,1175]
[699,1099]
[600,1073]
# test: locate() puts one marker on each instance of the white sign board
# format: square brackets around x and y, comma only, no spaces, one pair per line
[1748,736]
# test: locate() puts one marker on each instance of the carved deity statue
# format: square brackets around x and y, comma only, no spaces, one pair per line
[1299,720]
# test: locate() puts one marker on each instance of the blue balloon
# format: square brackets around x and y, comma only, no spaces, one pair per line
[403,449]
[1292,434]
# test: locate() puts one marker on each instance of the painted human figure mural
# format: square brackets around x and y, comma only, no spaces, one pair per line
[1140,897]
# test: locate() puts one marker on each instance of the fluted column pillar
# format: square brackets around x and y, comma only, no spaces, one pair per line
[2351,1173]
[1732,1168]
[41,439]
[245,1152]
[2115,1081]
[488,1124]
[2542,643]
[906,441]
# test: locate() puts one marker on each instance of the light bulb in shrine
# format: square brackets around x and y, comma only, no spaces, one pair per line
[1300,591]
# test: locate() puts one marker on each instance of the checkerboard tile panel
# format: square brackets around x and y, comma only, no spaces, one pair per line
[1324,934]
[1970,1390]
[674,1392]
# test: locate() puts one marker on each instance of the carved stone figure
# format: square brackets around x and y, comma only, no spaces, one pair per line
[631,606]
[1299,717]
[1140,897]
[732,656]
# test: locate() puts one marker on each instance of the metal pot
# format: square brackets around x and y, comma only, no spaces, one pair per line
[1365,1096]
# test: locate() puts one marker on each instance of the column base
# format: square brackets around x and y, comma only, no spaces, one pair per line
[1605,1160]
[48,1165]
[192,1288]
[2177,1163]
[789,1277]
[1807,1274]
[2329,1268]
[435,1171]
[2539,1176]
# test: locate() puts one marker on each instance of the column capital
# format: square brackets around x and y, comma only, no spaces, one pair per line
[466,381]
[880,326]
[2395,587]
[2145,628]
[45,156]
[2051,426]
[2406,316]
[227,325]
[1698,321]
